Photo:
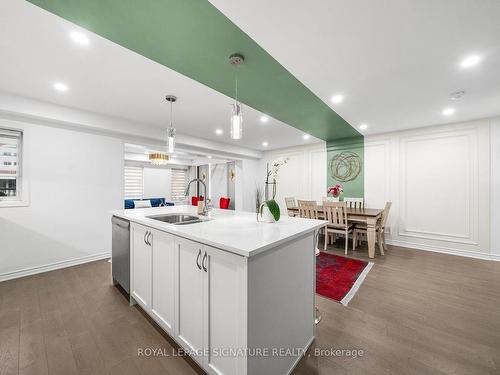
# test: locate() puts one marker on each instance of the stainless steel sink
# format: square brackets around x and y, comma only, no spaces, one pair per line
[177,219]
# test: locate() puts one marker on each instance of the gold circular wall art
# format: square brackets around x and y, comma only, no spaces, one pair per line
[345,166]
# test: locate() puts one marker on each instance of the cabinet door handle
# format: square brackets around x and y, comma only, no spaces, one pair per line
[203,262]
[198,259]
[148,238]
[145,234]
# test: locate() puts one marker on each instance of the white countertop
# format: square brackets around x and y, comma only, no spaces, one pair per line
[234,231]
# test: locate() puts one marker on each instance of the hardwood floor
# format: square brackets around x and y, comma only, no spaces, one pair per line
[416,313]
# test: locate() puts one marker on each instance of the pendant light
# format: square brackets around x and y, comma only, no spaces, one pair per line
[157,158]
[236,109]
[171,130]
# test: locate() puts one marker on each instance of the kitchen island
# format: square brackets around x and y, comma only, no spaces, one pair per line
[236,294]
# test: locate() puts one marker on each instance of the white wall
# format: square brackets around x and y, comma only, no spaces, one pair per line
[74,180]
[303,177]
[218,182]
[495,186]
[438,179]
[157,183]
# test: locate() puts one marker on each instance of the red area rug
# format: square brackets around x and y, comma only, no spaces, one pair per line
[338,277]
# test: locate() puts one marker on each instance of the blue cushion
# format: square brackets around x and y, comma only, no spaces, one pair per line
[155,202]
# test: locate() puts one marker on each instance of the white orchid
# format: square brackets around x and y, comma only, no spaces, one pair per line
[275,167]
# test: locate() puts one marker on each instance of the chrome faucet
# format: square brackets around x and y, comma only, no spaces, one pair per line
[186,193]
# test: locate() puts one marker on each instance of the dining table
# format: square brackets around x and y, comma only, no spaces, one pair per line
[370,216]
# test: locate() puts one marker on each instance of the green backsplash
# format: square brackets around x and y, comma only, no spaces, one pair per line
[348,155]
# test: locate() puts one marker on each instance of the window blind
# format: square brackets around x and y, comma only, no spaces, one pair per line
[133,183]
[179,181]
[10,151]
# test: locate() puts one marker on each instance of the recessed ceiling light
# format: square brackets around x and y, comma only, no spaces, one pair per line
[306,136]
[264,119]
[448,111]
[62,87]
[80,38]
[363,126]
[336,99]
[209,156]
[218,131]
[174,156]
[470,61]
[265,144]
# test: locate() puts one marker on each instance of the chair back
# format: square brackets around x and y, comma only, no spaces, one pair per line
[290,202]
[195,200]
[385,214]
[335,213]
[355,202]
[224,203]
[308,209]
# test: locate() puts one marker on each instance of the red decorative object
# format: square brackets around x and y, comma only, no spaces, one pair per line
[337,275]
[194,200]
[224,203]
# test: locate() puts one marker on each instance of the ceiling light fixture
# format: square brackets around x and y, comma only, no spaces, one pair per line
[363,126]
[219,131]
[337,99]
[62,87]
[157,158]
[209,156]
[265,144]
[306,136]
[264,119]
[470,61]
[236,109]
[79,38]
[171,130]
[448,111]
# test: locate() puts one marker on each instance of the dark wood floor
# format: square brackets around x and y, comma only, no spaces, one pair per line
[416,313]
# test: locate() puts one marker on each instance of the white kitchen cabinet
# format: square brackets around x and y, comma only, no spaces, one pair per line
[141,265]
[164,280]
[190,297]
[225,313]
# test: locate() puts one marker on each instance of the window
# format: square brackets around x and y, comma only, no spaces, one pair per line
[133,183]
[178,183]
[10,164]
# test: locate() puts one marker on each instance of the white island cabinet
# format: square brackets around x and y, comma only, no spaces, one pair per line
[237,295]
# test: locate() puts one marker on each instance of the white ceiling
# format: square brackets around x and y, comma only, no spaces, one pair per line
[103,77]
[395,61]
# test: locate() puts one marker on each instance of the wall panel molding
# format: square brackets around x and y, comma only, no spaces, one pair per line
[438,181]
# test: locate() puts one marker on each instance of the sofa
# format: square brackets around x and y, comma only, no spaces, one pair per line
[155,202]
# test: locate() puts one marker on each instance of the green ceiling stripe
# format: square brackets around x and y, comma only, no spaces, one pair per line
[193,38]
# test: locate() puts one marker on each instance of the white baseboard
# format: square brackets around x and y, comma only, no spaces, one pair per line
[445,250]
[53,266]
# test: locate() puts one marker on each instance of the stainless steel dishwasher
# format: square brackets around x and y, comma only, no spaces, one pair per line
[121,252]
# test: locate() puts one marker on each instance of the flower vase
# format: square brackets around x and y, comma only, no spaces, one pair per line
[267,216]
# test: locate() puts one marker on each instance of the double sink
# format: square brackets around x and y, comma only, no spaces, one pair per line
[177,219]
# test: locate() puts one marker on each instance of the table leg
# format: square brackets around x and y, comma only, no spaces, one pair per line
[372,235]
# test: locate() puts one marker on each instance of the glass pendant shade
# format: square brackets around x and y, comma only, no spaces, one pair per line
[170,140]
[236,121]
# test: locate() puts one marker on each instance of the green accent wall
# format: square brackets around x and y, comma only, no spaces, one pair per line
[194,38]
[348,153]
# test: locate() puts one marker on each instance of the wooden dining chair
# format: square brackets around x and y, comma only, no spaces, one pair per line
[380,229]
[336,215]
[308,209]
[355,202]
[290,203]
